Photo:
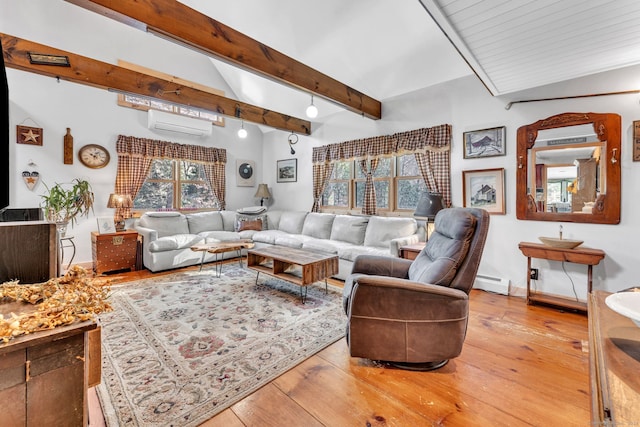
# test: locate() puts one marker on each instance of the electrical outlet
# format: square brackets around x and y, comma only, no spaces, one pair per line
[534,274]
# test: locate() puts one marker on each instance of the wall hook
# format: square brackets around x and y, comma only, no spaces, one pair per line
[613,156]
[520,165]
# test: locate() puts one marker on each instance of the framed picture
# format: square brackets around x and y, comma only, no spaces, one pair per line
[484,189]
[636,141]
[287,170]
[106,225]
[245,173]
[484,143]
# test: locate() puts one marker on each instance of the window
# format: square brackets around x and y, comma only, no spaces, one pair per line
[143,103]
[397,182]
[338,191]
[175,184]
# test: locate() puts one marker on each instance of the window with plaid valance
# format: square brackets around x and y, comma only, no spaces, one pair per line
[135,156]
[431,147]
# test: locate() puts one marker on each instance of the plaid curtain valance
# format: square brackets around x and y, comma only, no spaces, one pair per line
[437,138]
[150,148]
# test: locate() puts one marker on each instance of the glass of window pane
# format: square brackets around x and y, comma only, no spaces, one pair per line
[383,169]
[382,193]
[407,165]
[336,194]
[161,169]
[155,195]
[408,193]
[195,196]
[341,170]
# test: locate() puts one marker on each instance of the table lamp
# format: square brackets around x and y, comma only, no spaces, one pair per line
[428,206]
[118,202]
[263,193]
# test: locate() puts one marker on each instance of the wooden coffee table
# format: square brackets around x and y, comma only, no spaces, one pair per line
[279,261]
[220,248]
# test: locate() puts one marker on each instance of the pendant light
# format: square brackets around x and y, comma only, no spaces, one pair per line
[242,132]
[312,110]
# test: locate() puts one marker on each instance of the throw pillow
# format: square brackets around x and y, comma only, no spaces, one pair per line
[255,224]
[240,218]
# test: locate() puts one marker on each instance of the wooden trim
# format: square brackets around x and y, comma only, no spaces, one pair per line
[91,72]
[186,26]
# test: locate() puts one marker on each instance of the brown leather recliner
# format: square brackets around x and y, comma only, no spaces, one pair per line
[414,313]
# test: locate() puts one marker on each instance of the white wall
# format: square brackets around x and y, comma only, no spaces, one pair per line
[93,117]
[466,105]
[92,114]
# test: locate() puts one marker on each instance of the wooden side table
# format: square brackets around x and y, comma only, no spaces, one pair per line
[411,251]
[114,251]
[587,256]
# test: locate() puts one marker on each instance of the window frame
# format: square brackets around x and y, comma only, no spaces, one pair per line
[177,182]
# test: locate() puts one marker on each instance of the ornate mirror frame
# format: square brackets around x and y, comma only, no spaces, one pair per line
[607,127]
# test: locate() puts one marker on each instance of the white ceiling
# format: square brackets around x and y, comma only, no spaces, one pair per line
[386,48]
[515,45]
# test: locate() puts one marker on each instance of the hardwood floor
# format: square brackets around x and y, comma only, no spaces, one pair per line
[520,366]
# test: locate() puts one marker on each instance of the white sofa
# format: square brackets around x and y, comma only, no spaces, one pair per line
[168,236]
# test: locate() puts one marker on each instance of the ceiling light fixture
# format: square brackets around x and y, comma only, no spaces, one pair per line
[242,132]
[312,110]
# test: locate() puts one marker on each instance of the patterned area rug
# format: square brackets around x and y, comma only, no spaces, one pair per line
[180,348]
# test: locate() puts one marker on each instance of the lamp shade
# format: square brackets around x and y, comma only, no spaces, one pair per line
[429,205]
[263,191]
[119,201]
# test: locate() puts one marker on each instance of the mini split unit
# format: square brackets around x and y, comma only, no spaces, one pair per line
[160,120]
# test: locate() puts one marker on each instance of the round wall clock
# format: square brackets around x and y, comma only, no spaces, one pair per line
[94,156]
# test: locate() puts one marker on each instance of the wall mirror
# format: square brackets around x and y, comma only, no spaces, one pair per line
[568,169]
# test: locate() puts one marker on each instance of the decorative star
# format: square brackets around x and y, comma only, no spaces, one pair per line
[30,136]
[30,180]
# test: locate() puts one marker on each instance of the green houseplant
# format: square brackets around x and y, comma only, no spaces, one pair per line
[63,203]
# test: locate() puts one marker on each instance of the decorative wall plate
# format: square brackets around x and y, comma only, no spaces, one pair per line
[245,173]
[31,178]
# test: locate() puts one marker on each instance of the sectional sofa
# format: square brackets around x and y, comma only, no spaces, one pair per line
[168,236]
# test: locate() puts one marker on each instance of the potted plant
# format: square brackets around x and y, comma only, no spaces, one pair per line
[62,204]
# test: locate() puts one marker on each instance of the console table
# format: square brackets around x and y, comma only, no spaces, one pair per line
[587,256]
[614,363]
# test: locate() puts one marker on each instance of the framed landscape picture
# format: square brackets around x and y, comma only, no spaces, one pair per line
[484,143]
[484,189]
[287,170]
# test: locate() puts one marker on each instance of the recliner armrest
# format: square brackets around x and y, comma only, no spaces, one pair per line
[393,282]
[381,266]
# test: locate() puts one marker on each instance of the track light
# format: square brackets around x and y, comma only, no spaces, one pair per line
[312,110]
[242,132]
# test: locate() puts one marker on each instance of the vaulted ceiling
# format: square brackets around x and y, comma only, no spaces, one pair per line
[518,48]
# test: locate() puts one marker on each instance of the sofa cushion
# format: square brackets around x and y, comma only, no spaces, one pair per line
[273,220]
[292,221]
[165,223]
[228,220]
[204,221]
[349,228]
[318,225]
[381,230]
[176,241]
[350,252]
[219,236]
[289,241]
[268,236]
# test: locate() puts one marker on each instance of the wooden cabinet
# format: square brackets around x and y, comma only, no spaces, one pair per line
[43,378]
[411,251]
[114,251]
[28,251]
[614,364]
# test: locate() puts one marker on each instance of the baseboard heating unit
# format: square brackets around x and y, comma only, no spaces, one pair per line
[492,284]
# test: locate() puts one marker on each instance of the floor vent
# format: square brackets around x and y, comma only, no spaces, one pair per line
[492,284]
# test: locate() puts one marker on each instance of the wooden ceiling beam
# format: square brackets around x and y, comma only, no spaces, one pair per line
[103,75]
[187,26]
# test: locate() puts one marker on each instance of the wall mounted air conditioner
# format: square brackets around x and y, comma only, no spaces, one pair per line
[160,120]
